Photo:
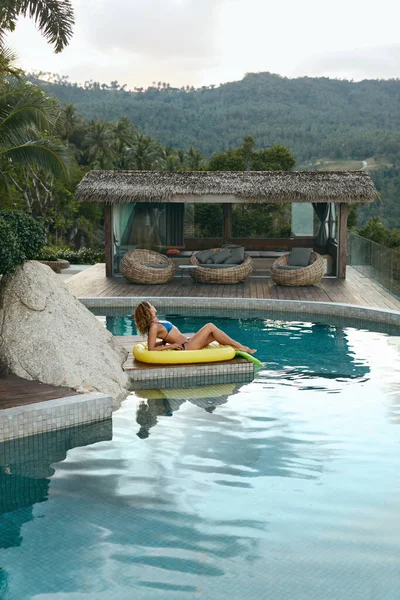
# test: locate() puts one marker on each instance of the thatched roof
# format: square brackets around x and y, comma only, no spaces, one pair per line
[113,187]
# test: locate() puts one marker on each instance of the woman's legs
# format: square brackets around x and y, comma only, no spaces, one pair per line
[210,333]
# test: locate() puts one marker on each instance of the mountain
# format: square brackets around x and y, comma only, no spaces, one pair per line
[326,123]
[314,117]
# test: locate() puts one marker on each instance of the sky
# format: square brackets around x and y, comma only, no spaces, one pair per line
[204,42]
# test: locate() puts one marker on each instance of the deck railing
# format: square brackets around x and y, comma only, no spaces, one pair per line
[375,261]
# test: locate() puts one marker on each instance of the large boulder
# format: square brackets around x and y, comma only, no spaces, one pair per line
[46,334]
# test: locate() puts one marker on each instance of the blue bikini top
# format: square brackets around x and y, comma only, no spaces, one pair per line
[167,324]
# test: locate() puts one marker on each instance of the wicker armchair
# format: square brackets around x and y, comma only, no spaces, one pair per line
[232,274]
[135,267]
[304,276]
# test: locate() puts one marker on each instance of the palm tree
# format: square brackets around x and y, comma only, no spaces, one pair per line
[181,158]
[28,120]
[124,132]
[194,159]
[100,144]
[53,18]
[71,120]
[145,154]
[170,163]
[124,137]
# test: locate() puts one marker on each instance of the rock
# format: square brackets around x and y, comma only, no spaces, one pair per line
[47,335]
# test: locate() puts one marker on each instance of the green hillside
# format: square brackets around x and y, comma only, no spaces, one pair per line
[314,117]
[344,122]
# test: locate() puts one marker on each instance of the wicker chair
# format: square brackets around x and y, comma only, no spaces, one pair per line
[134,267]
[233,274]
[304,276]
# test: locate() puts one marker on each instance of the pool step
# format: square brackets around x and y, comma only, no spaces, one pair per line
[148,376]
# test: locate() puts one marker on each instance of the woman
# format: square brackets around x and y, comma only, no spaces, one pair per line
[172,339]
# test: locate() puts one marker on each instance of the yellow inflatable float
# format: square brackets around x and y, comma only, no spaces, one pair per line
[211,353]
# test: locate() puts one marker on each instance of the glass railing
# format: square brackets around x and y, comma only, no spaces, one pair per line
[374,261]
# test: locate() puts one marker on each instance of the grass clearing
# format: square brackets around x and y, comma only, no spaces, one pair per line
[327,164]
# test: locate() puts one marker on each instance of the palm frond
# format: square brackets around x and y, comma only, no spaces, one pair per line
[41,153]
[22,103]
[54,18]
[8,58]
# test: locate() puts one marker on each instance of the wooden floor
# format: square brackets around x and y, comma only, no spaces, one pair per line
[15,391]
[356,289]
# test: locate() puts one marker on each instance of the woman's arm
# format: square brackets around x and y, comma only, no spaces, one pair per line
[152,338]
[152,343]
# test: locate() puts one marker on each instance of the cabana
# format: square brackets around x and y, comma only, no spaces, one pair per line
[150,209]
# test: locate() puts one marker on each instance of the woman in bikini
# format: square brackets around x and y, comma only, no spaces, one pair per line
[145,317]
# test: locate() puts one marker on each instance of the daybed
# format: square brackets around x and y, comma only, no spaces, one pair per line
[146,266]
[285,271]
[221,265]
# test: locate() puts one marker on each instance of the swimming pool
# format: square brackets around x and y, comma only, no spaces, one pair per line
[283,488]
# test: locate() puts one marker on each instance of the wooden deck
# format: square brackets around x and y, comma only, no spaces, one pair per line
[355,289]
[15,391]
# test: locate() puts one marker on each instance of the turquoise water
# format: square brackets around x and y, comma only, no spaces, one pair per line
[284,488]
[309,348]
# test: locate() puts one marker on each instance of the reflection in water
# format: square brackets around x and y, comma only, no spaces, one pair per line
[280,453]
[167,401]
[25,472]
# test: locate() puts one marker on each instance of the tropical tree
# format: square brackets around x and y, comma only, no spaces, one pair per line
[53,18]
[124,138]
[99,142]
[245,158]
[194,159]
[376,231]
[181,159]
[28,120]
[146,154]
[70,121]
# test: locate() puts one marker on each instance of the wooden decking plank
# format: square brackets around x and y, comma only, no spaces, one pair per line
[15,391]
[356,289]
[372,295]
[357,279]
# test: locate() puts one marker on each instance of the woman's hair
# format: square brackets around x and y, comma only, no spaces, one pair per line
[143,317]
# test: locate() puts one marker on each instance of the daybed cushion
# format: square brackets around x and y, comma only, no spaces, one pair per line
[209,261]
[237,255]
[214,266]
[157,265]
[221,257]
[299,257]
[203,256]
[289,268]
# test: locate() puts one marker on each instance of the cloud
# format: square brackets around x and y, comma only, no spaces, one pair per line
[156,29]
[374,62]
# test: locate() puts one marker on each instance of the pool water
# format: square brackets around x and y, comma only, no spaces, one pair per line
[310,348]
[284,488]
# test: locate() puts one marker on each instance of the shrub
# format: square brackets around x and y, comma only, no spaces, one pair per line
[21,238]
[30,233]
[376,231]
[85,256]
[11,253]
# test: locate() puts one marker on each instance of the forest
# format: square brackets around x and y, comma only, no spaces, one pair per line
[315,118]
